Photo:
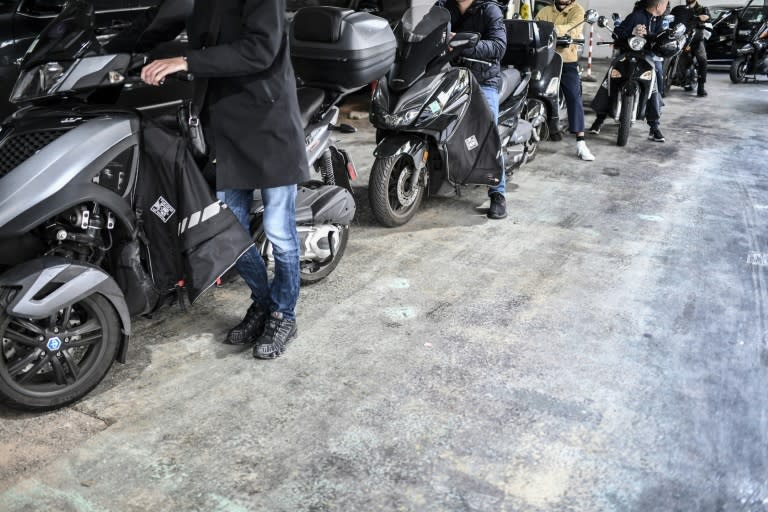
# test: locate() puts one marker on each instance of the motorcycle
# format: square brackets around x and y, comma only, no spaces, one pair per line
[544,94]
[752,58]
[680,69]
[110,217]
[631,79]
[433,122]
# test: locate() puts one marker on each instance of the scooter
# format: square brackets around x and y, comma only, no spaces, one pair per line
[544,94]
[108,217]
[631,79]
[433,122]
[752,59]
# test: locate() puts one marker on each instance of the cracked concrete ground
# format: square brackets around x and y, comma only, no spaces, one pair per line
[603,348]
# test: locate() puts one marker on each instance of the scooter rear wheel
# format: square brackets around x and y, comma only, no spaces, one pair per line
[49,363]
[394,200]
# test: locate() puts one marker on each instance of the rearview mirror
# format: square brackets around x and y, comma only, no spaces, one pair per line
[591,16]
[601,22]
[464,40]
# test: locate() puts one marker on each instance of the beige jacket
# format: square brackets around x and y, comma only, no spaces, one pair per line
[563,20]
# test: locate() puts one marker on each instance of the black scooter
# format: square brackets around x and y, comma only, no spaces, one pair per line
[433,121]
[631,79]
[752,59]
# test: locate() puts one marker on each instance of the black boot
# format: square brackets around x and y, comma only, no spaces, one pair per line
[700,91]
[247,331]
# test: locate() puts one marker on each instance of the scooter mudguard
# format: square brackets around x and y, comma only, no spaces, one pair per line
[401,144]
[48,284]
[327,204]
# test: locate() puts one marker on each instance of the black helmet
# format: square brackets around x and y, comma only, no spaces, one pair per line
[667,43]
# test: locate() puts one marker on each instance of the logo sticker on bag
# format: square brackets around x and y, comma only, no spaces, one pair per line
[163,209]
[471,143]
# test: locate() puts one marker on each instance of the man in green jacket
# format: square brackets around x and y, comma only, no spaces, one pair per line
[567,14]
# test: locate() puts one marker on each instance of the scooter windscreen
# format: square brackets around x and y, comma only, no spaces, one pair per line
[66,57]
[421,39]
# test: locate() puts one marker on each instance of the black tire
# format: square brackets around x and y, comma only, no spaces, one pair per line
[392,199]
[41,369]
[625,118]
[533,109]
[311,272]
[670,69]
[739,70]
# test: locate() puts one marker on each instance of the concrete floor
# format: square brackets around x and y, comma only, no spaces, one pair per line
[604,348]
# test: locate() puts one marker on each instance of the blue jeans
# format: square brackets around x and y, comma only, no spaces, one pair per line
[280,228]
[570,83]
[492,97]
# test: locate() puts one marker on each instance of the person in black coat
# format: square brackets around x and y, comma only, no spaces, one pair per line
[253,124]
[694,15]
[485,18]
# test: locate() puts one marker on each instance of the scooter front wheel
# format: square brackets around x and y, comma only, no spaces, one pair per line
[55,361]
[394,191]
[739,70]
[625,118]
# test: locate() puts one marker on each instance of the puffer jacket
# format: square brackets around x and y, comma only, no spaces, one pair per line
[485,18]
[563,21]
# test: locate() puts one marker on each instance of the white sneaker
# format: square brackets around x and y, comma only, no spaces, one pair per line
[583,152]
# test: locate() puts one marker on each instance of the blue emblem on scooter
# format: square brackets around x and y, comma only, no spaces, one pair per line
[54,344]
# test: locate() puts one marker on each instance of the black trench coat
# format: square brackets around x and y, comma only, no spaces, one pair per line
[251,111]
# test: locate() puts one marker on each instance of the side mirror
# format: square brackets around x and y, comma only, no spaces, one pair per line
[591,16]
[601,22]
[464,40]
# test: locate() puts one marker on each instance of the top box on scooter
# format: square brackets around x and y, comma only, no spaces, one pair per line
[530,44]
[340,49]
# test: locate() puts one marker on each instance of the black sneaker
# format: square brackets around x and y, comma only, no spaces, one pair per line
[277,334]
[656,136]
[596,126]
[498,208]
[250,328]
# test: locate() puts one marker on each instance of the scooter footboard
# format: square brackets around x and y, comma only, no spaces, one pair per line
[327,204]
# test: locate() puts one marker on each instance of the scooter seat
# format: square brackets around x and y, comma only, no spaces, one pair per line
[510,79]
[310,101]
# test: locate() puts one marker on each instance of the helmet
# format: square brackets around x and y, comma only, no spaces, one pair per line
[667,44]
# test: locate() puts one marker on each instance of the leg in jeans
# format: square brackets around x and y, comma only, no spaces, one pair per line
[280,228]
[653,110]
[250,265]
[492,97]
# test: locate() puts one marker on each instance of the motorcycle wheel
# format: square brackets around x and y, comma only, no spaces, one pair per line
[739,70]
[49,363]
[311,272]
[533,109]
[393,201]
[670,69]
[625,118]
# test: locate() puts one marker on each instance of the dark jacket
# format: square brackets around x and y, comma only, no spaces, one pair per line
[654,25]
[252,110]
[689,15]
[485,18]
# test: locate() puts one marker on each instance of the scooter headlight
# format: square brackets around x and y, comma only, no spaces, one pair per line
[554,87]
[408,117]
[648,75]
[637,43]
[39,81]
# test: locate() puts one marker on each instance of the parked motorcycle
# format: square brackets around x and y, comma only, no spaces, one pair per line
[631,79]
[434,124]
[752,58]
[680,68]
[108,217]
[544,93]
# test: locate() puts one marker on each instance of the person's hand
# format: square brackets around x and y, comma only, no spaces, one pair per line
[639,30]
[703,17]
[450,37]
[155,72]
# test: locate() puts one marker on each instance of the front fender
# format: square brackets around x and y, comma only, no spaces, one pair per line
[402,144]
[46,285]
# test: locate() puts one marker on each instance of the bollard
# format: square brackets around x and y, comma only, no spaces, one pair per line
[588,77]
